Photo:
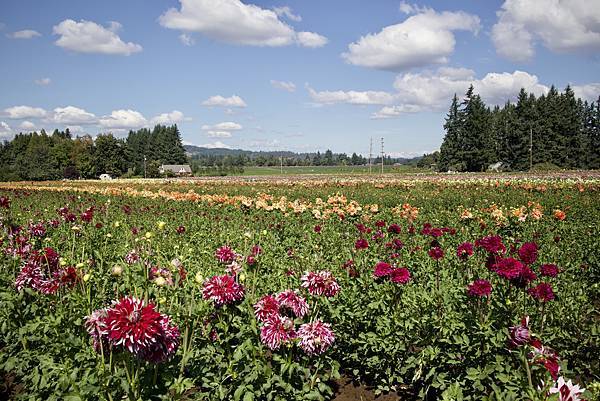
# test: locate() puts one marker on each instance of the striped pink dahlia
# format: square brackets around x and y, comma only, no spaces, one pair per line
[316,337]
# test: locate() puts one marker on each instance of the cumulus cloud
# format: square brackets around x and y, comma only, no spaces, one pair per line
[27,126]
[565,26]
[350,97]
[286,12]
[19,112]
[124,119]
[232,21]
[218,134]
[90,37]
[73,115]
[589,92]
[43,81]
[220,101]
[422,39]
[311,39]
[5,131]
[187,39]
[173,117]
[24,34]
[395,111]
[286,86]
[215,145]
[225,126]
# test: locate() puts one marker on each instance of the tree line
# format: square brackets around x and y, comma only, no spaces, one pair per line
[554,129]
[42,156]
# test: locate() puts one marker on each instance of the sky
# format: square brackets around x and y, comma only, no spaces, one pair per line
[284,75]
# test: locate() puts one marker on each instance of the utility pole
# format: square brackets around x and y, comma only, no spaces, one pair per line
[370,153]
[530,148]
[144,166]
[382,155]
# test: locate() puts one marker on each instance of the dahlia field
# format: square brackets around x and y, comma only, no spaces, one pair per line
[425,288]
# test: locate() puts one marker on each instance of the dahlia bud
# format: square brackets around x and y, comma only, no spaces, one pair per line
[86,277]
[117,270]
[161,225]
[198,278]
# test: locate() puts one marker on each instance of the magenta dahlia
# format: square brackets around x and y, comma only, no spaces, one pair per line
[549,270]
[361,244]
[492,244]
[222,290]
[320,283]
[464,250]
[436,253]
[509,268]
[520,335]
[382,269]
[140,329]
[277,330]
[291,300]
[225,254]
[315,337]
[266,307]
[400,275]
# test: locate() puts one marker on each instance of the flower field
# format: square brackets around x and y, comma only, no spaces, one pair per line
[428,288]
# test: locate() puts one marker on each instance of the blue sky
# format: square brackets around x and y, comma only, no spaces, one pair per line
[295,75]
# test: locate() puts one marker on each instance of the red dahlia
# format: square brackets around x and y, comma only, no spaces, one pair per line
[542,292]
[479,288]
[528,253]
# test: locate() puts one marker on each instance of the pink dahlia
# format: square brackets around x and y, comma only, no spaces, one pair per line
[542,292]
[141,329]
[4,202]
[277,330]
[222,290]
[382,269]
[315,337]
[479,288]
[266,307]
[132,257]
[320,283]
[528,253]
[95,325]
[400,275]
[291,300]
[225,254]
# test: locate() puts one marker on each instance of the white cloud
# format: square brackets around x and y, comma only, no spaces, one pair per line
[589,92]
[173,117]
[234,22]
[408,8]
[563,26]
[76,129]
[287,86]
[18,112]
[422,39]
[395,111]
[286,11]
[5,131]
[89,37]
[24,34]
[224,126]
[311,39]
[73,115]
[233,101]
[218,134]
[187,39]
[124,119]
[215,145]
[43,81]
[27,126]
[350,97]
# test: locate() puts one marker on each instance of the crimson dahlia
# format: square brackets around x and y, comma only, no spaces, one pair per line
[464,250]
[400,275]
[382,269]
[528,253]
[479,288]
[542,292]
[549,270]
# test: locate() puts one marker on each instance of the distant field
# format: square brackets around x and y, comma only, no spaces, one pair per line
[296,170]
